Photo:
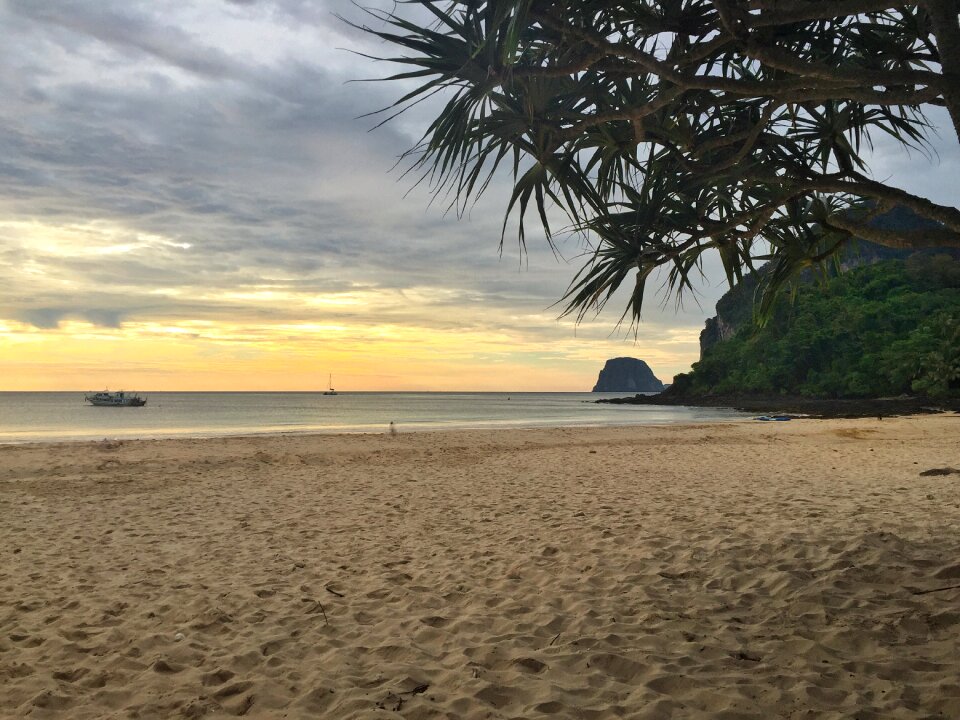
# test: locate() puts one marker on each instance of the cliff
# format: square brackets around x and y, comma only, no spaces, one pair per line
[735,308]
[626,374]
[883,329]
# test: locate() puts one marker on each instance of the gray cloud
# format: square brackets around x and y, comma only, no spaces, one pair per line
[51,317]
[223,145]
[135,33]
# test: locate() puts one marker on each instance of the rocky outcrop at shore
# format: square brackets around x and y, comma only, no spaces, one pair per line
[800,406]
[625,374]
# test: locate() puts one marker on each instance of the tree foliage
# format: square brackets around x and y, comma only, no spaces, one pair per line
[666,129]
[878,330]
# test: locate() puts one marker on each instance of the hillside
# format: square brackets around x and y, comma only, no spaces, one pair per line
[882,329]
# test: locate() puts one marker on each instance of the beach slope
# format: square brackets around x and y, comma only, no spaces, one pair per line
[735,570]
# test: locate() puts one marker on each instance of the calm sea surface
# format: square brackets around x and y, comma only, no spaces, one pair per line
[59,416]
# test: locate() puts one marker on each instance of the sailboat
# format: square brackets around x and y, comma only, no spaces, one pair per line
[331,391]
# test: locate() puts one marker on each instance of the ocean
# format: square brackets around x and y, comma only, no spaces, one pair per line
[64,416]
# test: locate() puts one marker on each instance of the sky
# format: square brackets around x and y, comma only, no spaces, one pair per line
[191,199]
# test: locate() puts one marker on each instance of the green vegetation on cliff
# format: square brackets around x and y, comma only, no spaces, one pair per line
[879,330]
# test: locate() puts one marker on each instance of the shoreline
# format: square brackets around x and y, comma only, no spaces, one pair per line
[367,433]
[798,406]
[737,569]
[381,429]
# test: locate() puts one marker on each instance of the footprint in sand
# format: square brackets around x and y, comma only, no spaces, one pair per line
[217,677]
[162,666]
[530,665]
[235,689]
[49,700]
[70,676]
[435,621]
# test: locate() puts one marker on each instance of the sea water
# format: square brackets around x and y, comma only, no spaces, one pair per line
[64,416]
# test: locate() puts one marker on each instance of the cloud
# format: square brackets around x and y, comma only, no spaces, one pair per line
[48,318]
[134,33]
[176,163]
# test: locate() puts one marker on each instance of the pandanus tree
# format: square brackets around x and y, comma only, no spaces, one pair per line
[666,129]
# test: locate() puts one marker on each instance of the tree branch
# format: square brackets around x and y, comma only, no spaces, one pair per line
[782,12]
[863,187]
[946,29]
[841,86]
[900,239]
[861,76]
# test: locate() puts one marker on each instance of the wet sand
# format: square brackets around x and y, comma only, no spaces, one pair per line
[736,570]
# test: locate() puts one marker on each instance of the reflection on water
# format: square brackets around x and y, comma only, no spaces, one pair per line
[57,416]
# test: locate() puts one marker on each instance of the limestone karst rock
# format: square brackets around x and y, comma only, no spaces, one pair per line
[625,374]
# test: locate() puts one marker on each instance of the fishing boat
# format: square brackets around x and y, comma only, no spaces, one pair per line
[115,399]
[331,391]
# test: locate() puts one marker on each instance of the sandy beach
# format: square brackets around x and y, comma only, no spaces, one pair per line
[734,570]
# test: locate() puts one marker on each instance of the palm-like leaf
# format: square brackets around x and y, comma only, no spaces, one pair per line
[672,128]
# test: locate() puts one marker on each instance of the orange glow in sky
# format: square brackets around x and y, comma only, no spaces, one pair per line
[223,356]
[276,334]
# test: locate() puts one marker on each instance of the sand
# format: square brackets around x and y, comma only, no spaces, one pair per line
[738,570]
